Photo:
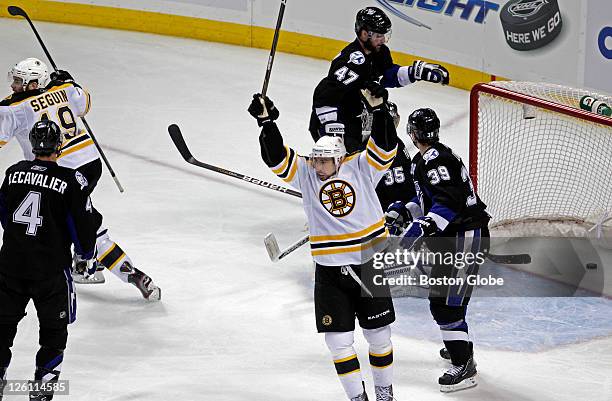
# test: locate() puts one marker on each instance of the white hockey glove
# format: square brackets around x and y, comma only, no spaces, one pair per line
[424,71]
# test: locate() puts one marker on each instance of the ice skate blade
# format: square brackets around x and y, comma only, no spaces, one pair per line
[463,385]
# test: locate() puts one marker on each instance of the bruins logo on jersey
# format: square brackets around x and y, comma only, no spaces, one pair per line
[338,198]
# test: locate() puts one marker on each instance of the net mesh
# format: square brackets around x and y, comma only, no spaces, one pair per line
[548,175]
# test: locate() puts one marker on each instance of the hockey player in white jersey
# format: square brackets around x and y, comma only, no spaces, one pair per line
[63,101]
[346,228]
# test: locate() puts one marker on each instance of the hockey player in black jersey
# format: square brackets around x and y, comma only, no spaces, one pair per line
[456,221]
[62,100]
[337,103]
[44,208]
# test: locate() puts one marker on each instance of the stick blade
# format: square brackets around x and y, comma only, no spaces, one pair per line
[179,142]
[16,11]
[272,247]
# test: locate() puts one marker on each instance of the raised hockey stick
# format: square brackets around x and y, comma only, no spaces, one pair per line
[18,11]
[275,253]
[179,142]
[279,21]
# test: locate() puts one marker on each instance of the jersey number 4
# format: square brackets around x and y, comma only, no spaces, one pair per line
[341,74]
[28,213]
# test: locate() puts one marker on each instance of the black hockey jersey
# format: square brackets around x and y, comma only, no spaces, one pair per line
[445,190]
[347,75]
[44,208]
[397,183]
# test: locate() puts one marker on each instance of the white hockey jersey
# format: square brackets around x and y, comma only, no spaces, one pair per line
[346,221]
[61,104]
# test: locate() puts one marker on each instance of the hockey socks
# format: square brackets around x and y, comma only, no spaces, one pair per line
[346,363]
[381,361]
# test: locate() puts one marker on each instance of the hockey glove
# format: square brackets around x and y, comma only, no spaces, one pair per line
[82,266]
[61,75]
[422,227]
[374,95]
[263,109]
[424,71]
[397,218]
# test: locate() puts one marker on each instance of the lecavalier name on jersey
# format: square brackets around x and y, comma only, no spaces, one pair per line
[38,179]
[48,99]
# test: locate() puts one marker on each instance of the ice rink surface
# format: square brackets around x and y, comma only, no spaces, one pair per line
[231,324]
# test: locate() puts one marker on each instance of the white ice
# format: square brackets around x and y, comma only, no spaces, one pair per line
[231,324]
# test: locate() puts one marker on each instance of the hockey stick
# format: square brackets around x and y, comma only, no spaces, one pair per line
[279,21]
[179,142]
[18,11]
[275,253]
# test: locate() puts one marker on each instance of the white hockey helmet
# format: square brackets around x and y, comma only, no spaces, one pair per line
[329,146]
[30,69]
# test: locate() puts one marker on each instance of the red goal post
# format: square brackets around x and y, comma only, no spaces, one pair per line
[537,158]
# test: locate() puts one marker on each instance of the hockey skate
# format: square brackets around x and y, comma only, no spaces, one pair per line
[458,377]
[144,283]
[361,397]
[384,393]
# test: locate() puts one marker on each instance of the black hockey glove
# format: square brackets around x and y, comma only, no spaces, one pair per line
[61,75]
[397,217]
[374,95]
[263,109]
[422,227]
[424,71]
[83,266]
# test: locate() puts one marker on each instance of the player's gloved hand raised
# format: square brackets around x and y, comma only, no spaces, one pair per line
[263,109]
[424,71]
[422,227]
[61,75]
[374,95]
[397,217]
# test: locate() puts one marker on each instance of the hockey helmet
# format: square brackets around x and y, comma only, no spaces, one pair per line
[372,19]
[46,138]
[30,69]
[329,146]
[425,125]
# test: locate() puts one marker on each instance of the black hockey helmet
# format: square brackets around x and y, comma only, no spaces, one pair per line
[425,125]
[46,138]
[372,19]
